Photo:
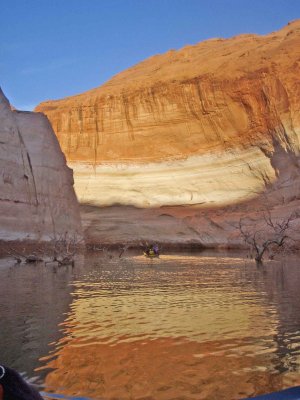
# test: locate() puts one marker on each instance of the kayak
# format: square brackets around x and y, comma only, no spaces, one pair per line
[150,255]
[287,394]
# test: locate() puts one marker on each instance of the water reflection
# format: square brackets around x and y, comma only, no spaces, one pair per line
[34,301]
[282,287]
[178,327]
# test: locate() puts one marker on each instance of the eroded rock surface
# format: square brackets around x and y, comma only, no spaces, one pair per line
[211,126]
[37,199]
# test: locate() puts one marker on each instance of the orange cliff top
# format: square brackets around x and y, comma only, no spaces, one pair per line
[223,58]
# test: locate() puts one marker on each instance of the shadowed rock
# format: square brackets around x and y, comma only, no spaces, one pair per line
[37,199]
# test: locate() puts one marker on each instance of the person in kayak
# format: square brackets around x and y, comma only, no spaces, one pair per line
[14,387]
[156,249]
[152,251]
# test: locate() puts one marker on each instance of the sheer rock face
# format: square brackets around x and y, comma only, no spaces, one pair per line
[37,199]
[211,125]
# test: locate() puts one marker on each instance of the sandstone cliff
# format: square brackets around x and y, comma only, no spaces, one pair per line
[37,199]
[212,126]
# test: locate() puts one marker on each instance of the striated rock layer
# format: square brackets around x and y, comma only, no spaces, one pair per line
[37,199]
[212,125]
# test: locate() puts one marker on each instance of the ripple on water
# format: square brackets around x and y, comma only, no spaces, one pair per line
[180,326]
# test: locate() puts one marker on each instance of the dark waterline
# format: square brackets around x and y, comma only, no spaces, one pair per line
[185,326]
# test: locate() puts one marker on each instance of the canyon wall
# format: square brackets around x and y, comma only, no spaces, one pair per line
[37,198]
[207,128]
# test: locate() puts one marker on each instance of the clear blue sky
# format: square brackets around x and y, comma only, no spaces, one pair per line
[55,48]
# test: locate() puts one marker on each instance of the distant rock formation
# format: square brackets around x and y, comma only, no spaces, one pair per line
[37,199]
[211,126]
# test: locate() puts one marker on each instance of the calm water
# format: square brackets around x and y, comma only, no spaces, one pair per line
[184,326]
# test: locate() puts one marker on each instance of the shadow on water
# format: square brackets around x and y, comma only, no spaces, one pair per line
[282,285]
[188,326]
[34,301]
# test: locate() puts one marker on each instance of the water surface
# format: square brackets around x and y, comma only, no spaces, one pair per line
[185,326]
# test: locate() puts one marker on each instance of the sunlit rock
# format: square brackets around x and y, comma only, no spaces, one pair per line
[212,125]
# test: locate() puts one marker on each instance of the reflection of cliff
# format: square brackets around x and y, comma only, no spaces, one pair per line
[181,330]
[161,369]
[281,283]
[37,198]
[33,303]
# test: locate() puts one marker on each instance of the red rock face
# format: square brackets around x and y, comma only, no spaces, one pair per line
[211,125]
